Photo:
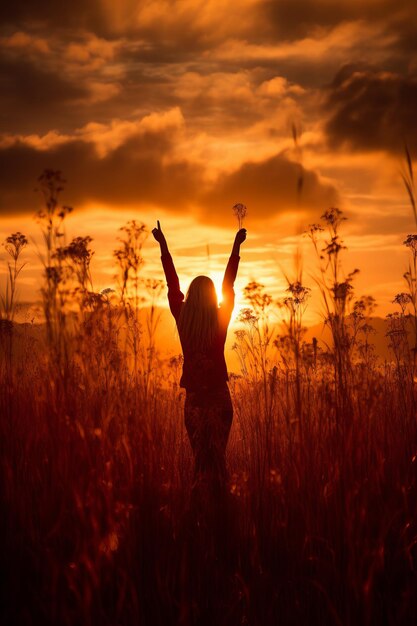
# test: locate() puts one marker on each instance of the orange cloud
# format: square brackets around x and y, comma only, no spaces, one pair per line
[125,163]
[372,110]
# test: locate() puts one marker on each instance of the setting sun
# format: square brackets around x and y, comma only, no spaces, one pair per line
[217,278]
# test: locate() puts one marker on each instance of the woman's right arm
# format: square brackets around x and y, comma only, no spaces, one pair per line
[228,300]
[175,296]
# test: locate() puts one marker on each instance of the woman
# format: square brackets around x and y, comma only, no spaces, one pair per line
[202,327]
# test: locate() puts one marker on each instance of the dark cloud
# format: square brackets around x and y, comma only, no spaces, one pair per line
[291,20]
[184,29]
[164,30]
[30,92]
[372,110]
[139,172]
[88,14]
[271,187]
[133,173]
[151,55]
[396,219]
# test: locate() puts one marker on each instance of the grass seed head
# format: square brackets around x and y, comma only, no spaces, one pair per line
[240,211]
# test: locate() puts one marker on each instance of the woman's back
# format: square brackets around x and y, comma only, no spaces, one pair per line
[202,327]
[202,324]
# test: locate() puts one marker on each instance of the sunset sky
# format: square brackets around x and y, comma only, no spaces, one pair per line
[177,110]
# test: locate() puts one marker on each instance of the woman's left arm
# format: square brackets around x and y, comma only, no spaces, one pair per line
[228,294]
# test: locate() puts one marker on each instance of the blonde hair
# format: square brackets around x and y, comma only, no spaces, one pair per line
[198,321]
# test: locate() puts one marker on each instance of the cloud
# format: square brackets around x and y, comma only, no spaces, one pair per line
[48,77]
[370,110]
[244,106]
[78,13]
[142,57]
[135,163]
[104,137]
[76,55]
[310,61]
[291,20]
[204,21]
[270,187]
[29,93]
[122,163]
[278,87]
[191,24]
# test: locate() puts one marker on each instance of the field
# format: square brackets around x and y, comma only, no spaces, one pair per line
[100,524]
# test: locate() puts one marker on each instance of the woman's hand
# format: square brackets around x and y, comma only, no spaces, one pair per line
[158,234]
[160,238]
[240,236]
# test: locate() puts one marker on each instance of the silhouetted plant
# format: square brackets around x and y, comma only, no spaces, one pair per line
[154,289]
[298,153]
[290,343]
[360,330]
[51,219]
[336,291]
[253,346]
[407,175]
[240,211]
[14,246]
[78,255]
[130,260]
[410,277]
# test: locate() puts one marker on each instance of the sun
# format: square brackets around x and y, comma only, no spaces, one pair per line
[217,278]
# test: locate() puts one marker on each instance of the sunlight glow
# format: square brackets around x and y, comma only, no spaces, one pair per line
[217,278]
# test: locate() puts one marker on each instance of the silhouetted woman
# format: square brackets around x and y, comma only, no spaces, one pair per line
[202,328]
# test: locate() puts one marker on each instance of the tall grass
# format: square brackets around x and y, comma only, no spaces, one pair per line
[99,527]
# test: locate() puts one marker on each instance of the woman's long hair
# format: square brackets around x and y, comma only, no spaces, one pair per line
[198,321]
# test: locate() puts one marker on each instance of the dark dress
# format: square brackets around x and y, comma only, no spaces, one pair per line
[208,408]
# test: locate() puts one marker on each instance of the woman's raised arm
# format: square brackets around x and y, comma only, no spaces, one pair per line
[228,294]
[160,238]
[175,295]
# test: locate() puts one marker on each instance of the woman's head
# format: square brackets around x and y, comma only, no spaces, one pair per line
[199,316]
[202,293]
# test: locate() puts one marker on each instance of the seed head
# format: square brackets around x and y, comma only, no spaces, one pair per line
[240,211]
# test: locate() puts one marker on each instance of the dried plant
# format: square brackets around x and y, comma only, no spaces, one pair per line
[240,211]
[336,290]
[407,175]
[296,134]
[51,219]
[129,259]
[14,246]
[411,243]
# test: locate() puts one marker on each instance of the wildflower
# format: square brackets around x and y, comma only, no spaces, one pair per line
[247,316]
[154,286]
[256,297]
[299,293]
[53,275]
[333,217]
[240,211]
[313,229]
[240,334]
[14,244]
[396,324]
[342,290]
[411,242]
[402,299]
